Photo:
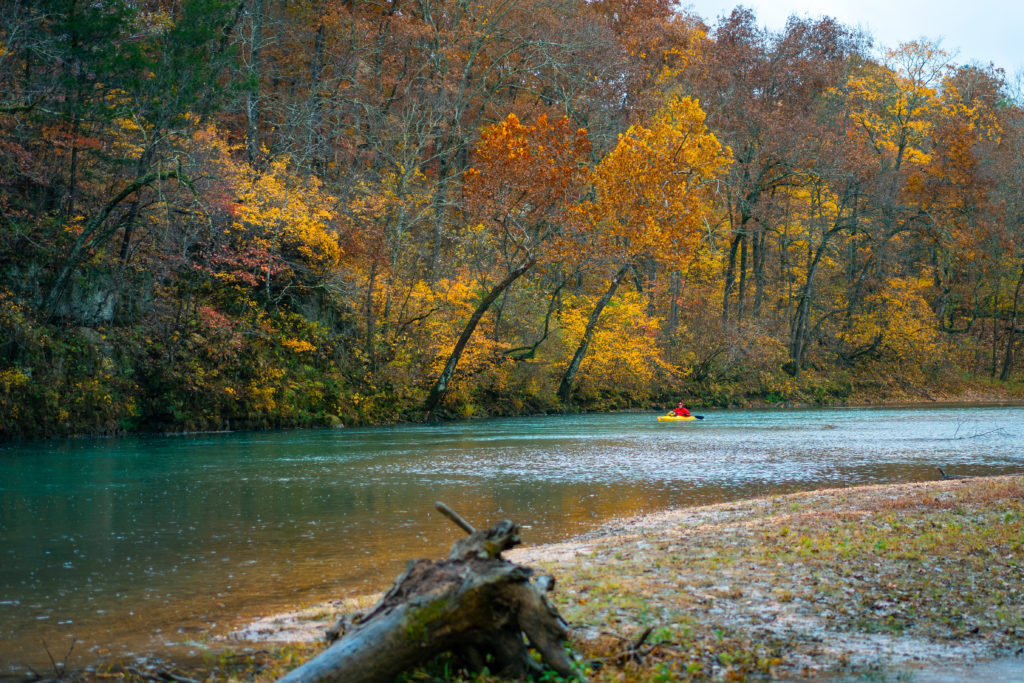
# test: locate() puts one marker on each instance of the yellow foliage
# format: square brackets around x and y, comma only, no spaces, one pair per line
[298,345]
[653,191]
[128,138]
[11,380]
[677,58]
[892,104]
[812,210]
[382,213]
[264,391]
[12,377]
[441,310]
[283,219]
[279,210]
[623,351]
[900,317]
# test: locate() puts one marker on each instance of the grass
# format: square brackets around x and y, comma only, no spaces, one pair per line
[849,579]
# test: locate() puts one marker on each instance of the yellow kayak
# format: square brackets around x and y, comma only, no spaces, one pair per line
[675,418]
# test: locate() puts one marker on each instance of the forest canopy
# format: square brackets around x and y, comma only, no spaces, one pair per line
[256,213]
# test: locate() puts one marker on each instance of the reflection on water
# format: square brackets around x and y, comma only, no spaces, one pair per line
[132,544]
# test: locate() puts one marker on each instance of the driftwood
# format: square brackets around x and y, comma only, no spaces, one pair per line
[475,604]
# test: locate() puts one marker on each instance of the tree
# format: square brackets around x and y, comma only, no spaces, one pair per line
[651,195]
[888,115]
[1008,241]
[132,84]
[763,93]
[818,218]
[523,190]
[955,191]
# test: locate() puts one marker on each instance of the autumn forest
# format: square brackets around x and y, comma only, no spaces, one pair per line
[225,214]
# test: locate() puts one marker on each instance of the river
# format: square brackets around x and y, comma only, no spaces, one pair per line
[145,544]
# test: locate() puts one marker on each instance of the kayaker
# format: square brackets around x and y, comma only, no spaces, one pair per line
[681,410]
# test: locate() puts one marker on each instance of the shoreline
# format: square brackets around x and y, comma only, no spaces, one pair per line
[914,577]
[969,398]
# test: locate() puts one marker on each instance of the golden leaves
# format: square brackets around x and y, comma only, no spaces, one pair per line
[298,345]
[893,104]
[276,207]
[655,188]
[623,351]
[899,315]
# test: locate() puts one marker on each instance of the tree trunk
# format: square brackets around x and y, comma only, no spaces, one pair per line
[129,228]
[145,159]
[758,270]
[314,132]
[741,295]
[799,334]
[475,604]
[565,388]
[995,337]
[730,274]
[530,350]
[799,327]
[440,387]
[369,317]
[252,99]
[1011,335]
[439,201]
[93,235]
[675,289]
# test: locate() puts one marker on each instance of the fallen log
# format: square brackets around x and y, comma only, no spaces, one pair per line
[484,609]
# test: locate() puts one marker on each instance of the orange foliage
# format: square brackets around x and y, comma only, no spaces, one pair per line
[526,180]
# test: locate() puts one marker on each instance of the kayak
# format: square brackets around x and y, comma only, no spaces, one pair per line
[675,418]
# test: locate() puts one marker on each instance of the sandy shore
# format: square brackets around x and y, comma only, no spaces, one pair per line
[915,578]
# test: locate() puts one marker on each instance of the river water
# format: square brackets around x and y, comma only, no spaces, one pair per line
[143,544]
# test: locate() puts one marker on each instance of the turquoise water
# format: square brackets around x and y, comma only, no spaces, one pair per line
[132,545]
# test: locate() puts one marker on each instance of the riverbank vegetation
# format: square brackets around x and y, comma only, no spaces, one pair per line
[875,582]
[241,214]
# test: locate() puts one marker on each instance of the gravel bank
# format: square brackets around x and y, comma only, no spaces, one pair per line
[891,580]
